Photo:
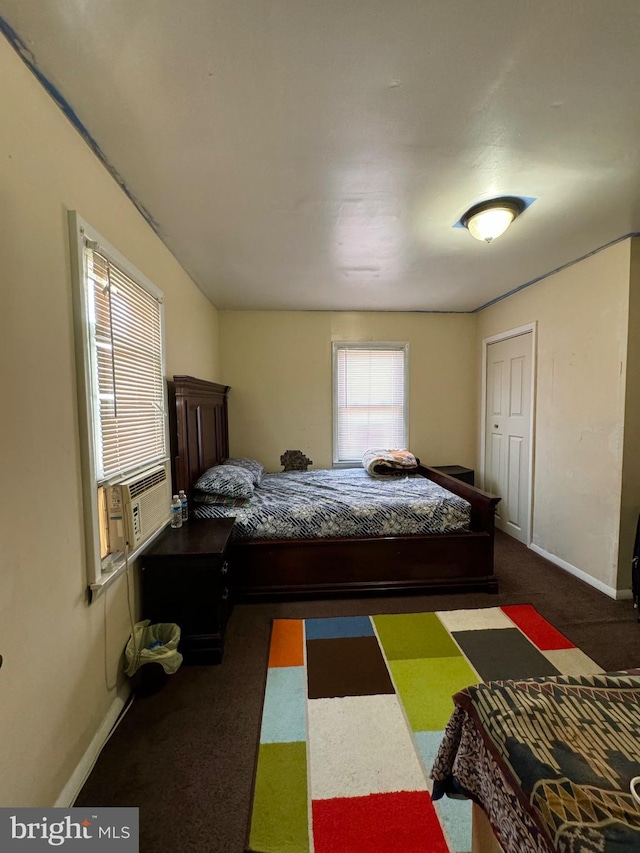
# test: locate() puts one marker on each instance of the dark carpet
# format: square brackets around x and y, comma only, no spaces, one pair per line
[185,756]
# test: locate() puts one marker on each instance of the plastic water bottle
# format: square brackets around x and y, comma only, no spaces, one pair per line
[185,505]
[176,512]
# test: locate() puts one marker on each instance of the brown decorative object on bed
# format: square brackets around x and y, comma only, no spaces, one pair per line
[295,460]
[338,566]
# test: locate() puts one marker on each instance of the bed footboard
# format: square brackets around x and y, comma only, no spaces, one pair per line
[483,504]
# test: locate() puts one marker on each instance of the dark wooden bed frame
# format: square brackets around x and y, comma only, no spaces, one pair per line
[339,566]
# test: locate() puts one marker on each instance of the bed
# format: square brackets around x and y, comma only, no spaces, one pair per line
[549,761]
[332,565]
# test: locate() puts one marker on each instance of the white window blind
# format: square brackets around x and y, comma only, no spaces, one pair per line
[370,399]
[125,323]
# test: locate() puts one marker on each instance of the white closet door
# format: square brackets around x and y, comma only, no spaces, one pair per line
[508,432]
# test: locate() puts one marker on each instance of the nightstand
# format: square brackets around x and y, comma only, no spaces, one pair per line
[467,475]
[185,579]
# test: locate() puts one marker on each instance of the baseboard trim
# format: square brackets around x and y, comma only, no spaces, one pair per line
[85,766]
[617,594]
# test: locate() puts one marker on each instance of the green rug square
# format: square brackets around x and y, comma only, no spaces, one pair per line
[407,636]
[425,688]
[280,819]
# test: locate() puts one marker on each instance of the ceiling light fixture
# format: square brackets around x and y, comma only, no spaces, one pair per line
[489,219]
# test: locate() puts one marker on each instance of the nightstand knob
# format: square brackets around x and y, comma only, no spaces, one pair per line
[225,568]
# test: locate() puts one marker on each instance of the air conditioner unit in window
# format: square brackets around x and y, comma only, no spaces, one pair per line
[138,507]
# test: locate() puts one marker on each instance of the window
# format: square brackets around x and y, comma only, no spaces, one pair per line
[120,363]
[370,399]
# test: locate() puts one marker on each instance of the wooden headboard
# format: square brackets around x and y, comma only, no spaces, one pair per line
[199,428]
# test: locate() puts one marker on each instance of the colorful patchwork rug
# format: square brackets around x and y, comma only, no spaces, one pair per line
[354,712]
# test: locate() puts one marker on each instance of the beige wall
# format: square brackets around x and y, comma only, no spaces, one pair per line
[61,656]
[630,498]
[278,364]
[582,339]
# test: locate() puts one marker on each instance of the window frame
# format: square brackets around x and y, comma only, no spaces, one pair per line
[395,346]
[101,573]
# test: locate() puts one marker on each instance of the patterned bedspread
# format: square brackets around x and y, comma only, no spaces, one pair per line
[549,760]
[326,503]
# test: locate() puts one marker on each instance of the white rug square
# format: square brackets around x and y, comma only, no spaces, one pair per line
[360,745]
[572,662]
[474,620]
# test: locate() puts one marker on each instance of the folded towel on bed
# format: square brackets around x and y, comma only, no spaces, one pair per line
[385,463]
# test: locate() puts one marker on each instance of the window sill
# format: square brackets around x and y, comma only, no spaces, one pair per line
[107,578]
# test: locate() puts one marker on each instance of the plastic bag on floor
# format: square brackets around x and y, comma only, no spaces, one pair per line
[153,644]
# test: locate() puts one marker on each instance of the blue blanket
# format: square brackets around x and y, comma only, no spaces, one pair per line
[334,503]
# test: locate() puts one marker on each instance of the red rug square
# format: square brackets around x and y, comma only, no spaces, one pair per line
[536,628]
[403,822]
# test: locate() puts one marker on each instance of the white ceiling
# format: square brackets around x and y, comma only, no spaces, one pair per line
[315,154]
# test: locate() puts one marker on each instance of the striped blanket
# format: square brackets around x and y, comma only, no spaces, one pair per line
[550,760]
